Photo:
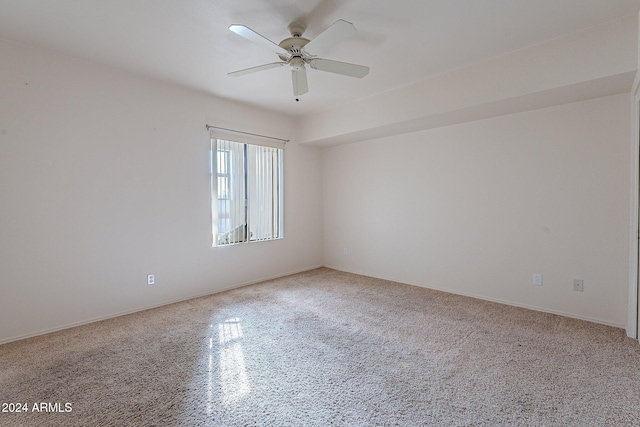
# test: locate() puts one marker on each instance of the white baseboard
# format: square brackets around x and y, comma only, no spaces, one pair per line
[252,282]
[135,310]
[496,300]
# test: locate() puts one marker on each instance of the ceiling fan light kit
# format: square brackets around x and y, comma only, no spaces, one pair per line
[297,52]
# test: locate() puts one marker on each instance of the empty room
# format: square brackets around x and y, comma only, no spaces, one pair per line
[319,212]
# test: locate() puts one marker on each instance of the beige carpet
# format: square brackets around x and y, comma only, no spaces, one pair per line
[326,348]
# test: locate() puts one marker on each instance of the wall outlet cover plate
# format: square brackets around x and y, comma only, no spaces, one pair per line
[537,279]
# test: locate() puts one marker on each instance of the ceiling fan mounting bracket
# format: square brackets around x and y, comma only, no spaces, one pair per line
[297,29]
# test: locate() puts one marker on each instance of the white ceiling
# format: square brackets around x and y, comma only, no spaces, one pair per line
[402,41]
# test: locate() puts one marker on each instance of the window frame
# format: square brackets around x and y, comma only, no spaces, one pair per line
[276,186]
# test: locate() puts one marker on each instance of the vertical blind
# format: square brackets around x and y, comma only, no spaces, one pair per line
[247,195]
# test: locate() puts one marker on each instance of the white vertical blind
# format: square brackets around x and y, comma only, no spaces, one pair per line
[265,193]
[248,192]
[265,205]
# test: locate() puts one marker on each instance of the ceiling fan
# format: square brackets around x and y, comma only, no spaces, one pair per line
[297,52]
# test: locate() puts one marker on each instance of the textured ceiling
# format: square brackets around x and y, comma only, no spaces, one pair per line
[188,41]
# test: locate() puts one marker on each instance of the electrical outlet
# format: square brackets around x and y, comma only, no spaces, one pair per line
[537,280]
[578,285]
[151,279]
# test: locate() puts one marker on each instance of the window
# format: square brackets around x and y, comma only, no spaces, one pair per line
[247,192]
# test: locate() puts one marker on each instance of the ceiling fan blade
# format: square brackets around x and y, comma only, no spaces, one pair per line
[299,78]
[338,67]
[339,31]
[251,35]
[255,69]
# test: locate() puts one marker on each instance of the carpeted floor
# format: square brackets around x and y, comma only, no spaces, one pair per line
[326,348]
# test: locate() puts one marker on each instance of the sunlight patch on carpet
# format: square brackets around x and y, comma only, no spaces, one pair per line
[233,372]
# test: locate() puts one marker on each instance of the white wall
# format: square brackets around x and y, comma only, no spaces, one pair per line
[477,208]
[104,178]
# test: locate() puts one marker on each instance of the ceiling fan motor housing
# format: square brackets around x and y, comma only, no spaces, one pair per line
[294,45]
